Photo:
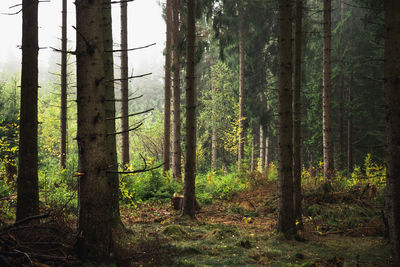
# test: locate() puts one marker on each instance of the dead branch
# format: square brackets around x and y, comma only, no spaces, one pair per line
[63,51]
[131,49]
[129,130]
[131,115]
[137,171]
[131,77]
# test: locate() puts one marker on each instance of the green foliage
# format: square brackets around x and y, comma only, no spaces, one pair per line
[222,186]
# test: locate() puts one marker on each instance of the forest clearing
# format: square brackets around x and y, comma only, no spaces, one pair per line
[200,133]
[340,229]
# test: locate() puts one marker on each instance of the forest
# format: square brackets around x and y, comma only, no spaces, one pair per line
[271,138]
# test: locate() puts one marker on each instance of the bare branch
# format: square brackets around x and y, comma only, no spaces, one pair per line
[132,49]
[137,171]
[132,77]
[129,130]
[131,115]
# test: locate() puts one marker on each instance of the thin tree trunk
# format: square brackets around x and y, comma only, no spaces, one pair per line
[262,148]
[252,155]
[326,101]
[190,164]
[350,131]
[124,85]
[63,145]
[214,126]
[341,96]
[176,95]
[266,161]
[241,88]
[27,187]
[297,114]
[167,90]
[286,218]
[392,96]
[112,159]
[94,240]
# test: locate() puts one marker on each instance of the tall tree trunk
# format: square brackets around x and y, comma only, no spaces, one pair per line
[214,139]
[124,85]
[112,159]
[27,187]
[63,146]
[350,131]
[266,161]
[262,148]
[297,113]
[241,87]
[341,157]
[176,95]
[326,97]
[392,96]
[94,240]
[252,155]
[190,163]
[167,90]
[286,218]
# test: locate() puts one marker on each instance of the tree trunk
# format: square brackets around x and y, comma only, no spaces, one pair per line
[124,85]
[341,157]
[350,131]
[63,145]
[392,96]
[189,207]
[266,161]
[262,148]
[94,240]
[176,95]
[241,87]
[112,159]
[214,139]
[286,218]
[326,97]
[297,113]
[167,90]
[27,188]
[252,155]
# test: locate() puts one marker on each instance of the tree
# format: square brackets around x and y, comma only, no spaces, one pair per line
[112,158]
[124,85]
[167,92]
[94,240]
[297,111]
[286,219]
[189,207]
[176,93]
[392,96]
[63,141]
[241,86]
[27,187]
[326,96]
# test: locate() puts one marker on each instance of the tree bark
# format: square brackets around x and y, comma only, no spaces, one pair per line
[189,207]
[124,85]
[176,95]
[326,96]
[63,141]
[262,149]
[252,155]
[350,131]
[392,96]
[286,218]
[341,158]
[241,87]
[27,187]
[112,158]
[266,161]
[214,140]
[297,113]
[167,90]
[94,240]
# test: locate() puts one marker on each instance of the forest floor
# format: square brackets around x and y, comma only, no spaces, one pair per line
[340,229]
